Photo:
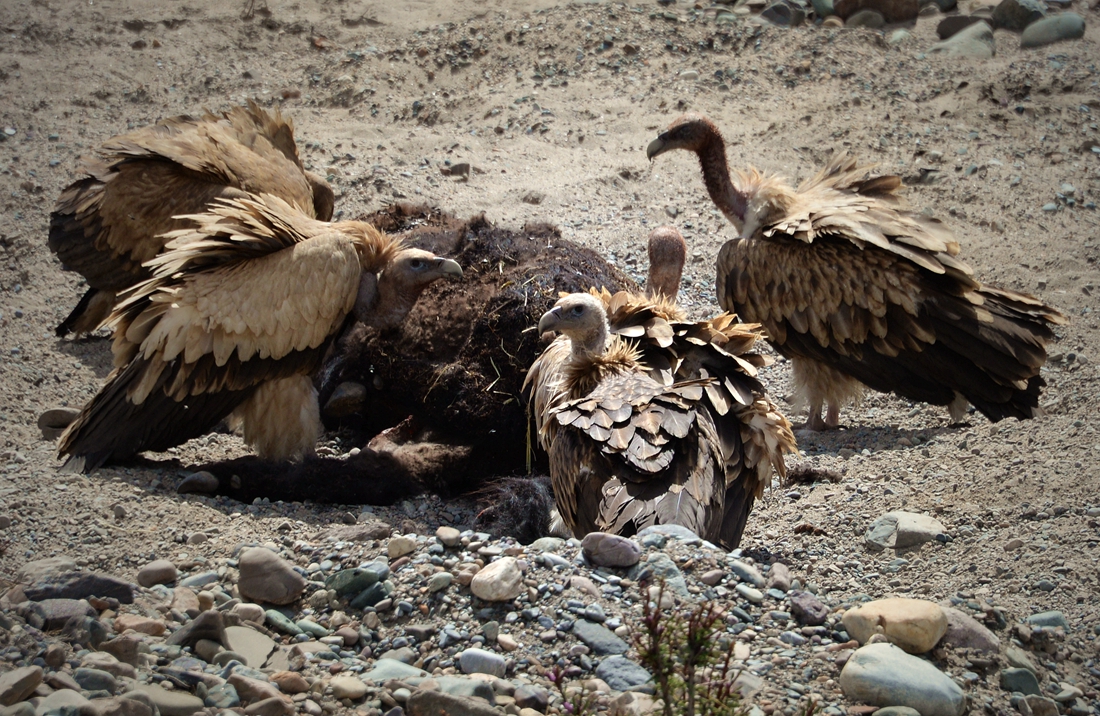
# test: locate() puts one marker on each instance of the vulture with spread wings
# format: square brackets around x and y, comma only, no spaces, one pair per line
[856,289]
[238,314]
[107,224]
[652,419]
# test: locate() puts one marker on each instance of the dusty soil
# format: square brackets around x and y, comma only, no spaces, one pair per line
[552,107]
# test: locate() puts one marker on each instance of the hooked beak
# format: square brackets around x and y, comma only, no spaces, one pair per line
[657,146]
[447,267]
[550,320]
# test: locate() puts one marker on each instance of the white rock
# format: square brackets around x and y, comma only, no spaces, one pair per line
[915,625]
[498,581]
[399,546]
[346,686]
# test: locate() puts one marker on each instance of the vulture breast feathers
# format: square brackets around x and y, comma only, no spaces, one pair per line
[651,419]
[107,224]
[857,290]
[237,315]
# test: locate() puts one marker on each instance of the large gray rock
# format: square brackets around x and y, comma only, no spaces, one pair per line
[250,644]
[622,674]
[18,684]
[80,585]
[975,41]
[267,577]
[1067,26]
[171,703]
[65,701]
[53,613]
[966,632]
[159,571]
[1018,14]
[601,640]
[884,675]
[433,703]
[41,569]
[207,625]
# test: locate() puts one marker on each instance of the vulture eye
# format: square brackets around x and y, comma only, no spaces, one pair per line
[577,310]
[417,264]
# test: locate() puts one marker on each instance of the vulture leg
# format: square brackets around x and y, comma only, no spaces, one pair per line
[281,421]
[813,419]
[832,416]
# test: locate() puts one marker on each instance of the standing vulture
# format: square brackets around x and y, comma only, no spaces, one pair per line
[650,419]
[858,290]
[109,223]
[238,315]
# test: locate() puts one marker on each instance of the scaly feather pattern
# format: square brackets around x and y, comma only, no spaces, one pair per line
[856,289]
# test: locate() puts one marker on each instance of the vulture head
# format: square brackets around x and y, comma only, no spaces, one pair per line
[667,253]
[583,319]
[386,297]
[692,132]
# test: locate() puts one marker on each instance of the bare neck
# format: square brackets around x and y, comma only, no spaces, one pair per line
[592,343]
[716,176]
[394,304]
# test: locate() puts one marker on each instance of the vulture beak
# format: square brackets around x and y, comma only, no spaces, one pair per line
[657,146]
[550,320]
[447,267]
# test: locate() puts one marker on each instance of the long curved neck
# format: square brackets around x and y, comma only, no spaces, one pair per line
[716,176]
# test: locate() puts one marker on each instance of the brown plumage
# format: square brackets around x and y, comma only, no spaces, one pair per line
[858,290]
[650,419]
[108,224]
[239,312]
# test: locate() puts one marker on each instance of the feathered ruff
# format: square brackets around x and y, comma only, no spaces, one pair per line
[256,292]
[854,287]
[108,223]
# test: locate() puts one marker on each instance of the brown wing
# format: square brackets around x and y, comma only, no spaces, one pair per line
[633,453]
[108,223]
[245,297]
[892,323]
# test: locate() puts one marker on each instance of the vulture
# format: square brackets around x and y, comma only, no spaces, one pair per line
[435,404]
[238,314]
[858,290]
[649,418]
[107,224]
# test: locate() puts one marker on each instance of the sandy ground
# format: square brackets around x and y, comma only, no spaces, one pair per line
[556,103]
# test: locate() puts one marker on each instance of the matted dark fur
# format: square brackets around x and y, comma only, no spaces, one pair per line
[456,367]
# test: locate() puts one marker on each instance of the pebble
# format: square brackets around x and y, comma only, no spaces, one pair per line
[266,577]
[747,573]
[753,595]
[621,673]
[400,546]
[808,609]
[1017,14]
[601,640]
[1021,680]
[966,632]
[974,41]
[901,530]
[608,550]
[1065,26]
[498,581]
[479,661]
[449,536]
[884,675]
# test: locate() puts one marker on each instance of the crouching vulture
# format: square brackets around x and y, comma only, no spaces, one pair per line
[856,289]
[107,224]
[650,419]
[239,313]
